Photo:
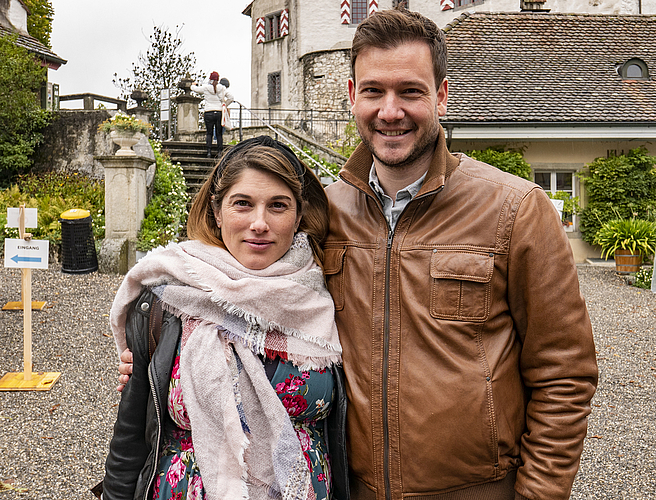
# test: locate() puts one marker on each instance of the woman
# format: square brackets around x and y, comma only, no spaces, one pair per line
[233,403]
[215,94]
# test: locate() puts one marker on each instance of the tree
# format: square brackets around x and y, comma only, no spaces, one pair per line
[21,116]
[509,161]
[618,187]
[162,67]
[39,20]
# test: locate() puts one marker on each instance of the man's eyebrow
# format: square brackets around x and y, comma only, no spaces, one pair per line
[405,83]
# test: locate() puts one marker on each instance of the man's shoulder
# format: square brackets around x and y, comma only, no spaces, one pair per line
[485,173]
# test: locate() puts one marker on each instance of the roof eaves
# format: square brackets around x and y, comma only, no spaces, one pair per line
[455,22]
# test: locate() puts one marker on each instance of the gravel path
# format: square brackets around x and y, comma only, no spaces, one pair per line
[53,443]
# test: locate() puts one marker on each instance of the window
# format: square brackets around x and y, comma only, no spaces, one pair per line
[359,10]
[634,69]
[274,88]
[272,26]
[559,181]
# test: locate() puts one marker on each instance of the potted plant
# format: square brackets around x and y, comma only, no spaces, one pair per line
[124,130]
[628,240]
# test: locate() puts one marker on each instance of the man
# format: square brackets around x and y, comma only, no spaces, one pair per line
[467,346]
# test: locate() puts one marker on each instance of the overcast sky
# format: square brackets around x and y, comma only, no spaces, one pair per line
[100,38]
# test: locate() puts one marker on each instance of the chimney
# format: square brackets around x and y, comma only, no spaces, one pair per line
[533,6]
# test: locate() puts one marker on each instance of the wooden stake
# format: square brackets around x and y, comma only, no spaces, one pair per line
[26,296]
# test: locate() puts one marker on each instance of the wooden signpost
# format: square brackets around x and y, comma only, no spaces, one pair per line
[26,254]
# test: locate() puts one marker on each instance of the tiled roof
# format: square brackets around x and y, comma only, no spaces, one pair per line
[530,67]
[34,46]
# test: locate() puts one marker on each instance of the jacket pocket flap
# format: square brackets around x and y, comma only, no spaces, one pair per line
[333,260]
[464,266]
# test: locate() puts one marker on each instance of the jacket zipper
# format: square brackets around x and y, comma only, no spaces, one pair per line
[385,374]
[159,432]
[386,341]
[386,329]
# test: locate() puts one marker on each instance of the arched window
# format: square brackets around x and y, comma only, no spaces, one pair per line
[634,69]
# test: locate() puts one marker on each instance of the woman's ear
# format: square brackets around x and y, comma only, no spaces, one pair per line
[299,215]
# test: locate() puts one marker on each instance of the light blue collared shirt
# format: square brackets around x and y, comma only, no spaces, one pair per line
[392,209]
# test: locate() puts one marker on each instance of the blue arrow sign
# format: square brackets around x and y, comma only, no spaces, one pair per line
[17,259]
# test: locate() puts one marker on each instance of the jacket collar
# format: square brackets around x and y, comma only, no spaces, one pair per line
[356,170]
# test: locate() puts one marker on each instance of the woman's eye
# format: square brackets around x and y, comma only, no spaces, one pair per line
[241,203]
[279,205]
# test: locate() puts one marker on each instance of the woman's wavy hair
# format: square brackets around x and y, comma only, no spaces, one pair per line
[268,155]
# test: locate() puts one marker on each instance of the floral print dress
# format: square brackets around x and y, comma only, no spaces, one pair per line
[306,395]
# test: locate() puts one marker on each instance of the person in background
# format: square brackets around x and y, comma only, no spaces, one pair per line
[242,396]
[215,95]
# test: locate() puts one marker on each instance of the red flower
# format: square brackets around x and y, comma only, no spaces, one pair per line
[295,405]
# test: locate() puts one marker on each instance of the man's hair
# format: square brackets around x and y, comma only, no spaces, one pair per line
[387,29]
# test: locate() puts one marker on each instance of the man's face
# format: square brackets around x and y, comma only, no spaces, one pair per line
[396,103]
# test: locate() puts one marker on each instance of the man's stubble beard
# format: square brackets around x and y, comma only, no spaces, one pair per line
[425,146]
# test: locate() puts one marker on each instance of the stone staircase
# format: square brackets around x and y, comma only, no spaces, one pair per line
[195,165]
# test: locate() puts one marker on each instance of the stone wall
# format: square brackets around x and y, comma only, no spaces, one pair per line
[325,77]
[72,140]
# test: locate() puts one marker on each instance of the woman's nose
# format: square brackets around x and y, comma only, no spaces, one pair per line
[259,223]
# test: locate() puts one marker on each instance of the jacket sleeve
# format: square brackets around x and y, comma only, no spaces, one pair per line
[228,98]
[128,448]
[557,362]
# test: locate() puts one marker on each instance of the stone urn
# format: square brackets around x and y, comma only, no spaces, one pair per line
[125,139]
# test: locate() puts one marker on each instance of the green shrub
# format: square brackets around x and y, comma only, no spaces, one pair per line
[333,168]
[21,116]
[346,146]
[510,161]
[51,194]
[635,235]
[619,187]
[643,277]
[167,210]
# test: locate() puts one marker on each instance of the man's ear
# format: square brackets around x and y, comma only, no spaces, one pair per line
[351,91]
[442,97]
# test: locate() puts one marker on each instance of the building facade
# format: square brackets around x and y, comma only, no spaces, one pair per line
[300,48]
[564,81]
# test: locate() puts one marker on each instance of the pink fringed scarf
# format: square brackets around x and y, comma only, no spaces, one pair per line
[245,443]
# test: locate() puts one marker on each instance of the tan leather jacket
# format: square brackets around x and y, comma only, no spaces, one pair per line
[468,349]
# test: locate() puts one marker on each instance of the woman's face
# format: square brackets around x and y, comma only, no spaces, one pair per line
[258,218]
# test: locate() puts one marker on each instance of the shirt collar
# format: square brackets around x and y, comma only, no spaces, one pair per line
[411,189]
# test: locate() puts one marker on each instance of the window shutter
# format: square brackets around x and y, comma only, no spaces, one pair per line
[346,11]
[373,6]
[284,23]
[446,4]
[259,30]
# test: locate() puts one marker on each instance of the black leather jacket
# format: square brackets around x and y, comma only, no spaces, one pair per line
[131,465]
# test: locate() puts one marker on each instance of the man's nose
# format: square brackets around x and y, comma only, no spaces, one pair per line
[390,108]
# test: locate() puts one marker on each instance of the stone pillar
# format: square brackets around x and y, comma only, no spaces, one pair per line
[125,201]
[187,118]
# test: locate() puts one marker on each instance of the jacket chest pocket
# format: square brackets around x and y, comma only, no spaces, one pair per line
[333,268]
[461,285]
